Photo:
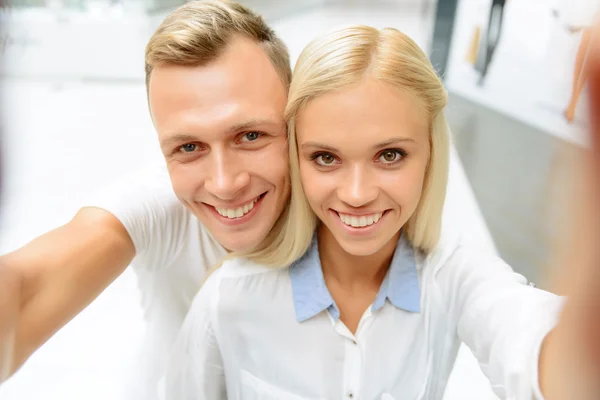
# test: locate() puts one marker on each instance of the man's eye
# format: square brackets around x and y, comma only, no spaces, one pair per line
[189,148]
[251,136]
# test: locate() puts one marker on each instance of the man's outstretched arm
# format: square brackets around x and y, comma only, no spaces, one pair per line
[46,283]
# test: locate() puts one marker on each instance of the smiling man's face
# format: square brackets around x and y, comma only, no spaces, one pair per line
[222,131]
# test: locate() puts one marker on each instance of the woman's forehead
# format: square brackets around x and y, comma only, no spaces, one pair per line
[368,111]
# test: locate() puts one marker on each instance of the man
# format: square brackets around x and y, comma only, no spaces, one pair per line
[217,79]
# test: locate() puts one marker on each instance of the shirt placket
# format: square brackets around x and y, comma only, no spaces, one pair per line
[352,357]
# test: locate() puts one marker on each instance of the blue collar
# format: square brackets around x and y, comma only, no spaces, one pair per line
[311,296]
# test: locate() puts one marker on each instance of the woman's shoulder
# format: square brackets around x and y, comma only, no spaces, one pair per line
[240,277]
[242,288]
[240,267]
[456,250]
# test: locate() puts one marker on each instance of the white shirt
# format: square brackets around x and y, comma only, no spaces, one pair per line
[260,333]
[174,251]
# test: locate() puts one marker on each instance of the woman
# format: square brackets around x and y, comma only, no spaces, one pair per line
[375,304]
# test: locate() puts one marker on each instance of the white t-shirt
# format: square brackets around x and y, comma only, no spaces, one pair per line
[270,334]
[173,253]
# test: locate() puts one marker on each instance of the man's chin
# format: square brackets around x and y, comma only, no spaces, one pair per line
[241,243]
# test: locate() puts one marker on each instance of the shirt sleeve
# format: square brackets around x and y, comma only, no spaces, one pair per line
[144,202]
[501,318]
[195,370]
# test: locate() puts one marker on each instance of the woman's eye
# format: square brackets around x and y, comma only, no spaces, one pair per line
[251,136]
[325,159]
[390,156]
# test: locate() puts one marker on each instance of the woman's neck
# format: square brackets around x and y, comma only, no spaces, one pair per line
[350,271]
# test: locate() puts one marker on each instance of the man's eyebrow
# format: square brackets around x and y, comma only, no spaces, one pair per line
[252,123]
[177,138]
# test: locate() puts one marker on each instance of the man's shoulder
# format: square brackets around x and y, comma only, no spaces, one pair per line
[145,192]
[163,230]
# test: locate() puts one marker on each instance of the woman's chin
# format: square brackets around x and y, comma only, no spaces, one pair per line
[360,248]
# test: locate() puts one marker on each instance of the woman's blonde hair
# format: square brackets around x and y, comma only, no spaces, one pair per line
[340,58]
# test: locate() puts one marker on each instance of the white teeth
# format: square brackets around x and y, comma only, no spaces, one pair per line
[359,222]
[237,212]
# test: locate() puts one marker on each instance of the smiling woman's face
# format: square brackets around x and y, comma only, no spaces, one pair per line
[363,155]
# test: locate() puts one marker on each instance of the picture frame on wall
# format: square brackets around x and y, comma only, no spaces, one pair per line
[524,59]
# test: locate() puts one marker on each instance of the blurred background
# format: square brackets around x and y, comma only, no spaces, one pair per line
[75,117]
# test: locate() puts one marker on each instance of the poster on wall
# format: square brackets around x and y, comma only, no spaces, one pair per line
[527,59]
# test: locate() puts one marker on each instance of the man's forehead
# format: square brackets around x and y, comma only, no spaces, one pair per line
[221,108]
[242,64]
[213,88]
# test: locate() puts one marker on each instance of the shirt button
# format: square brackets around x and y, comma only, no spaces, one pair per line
[350,395]
[354,342]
